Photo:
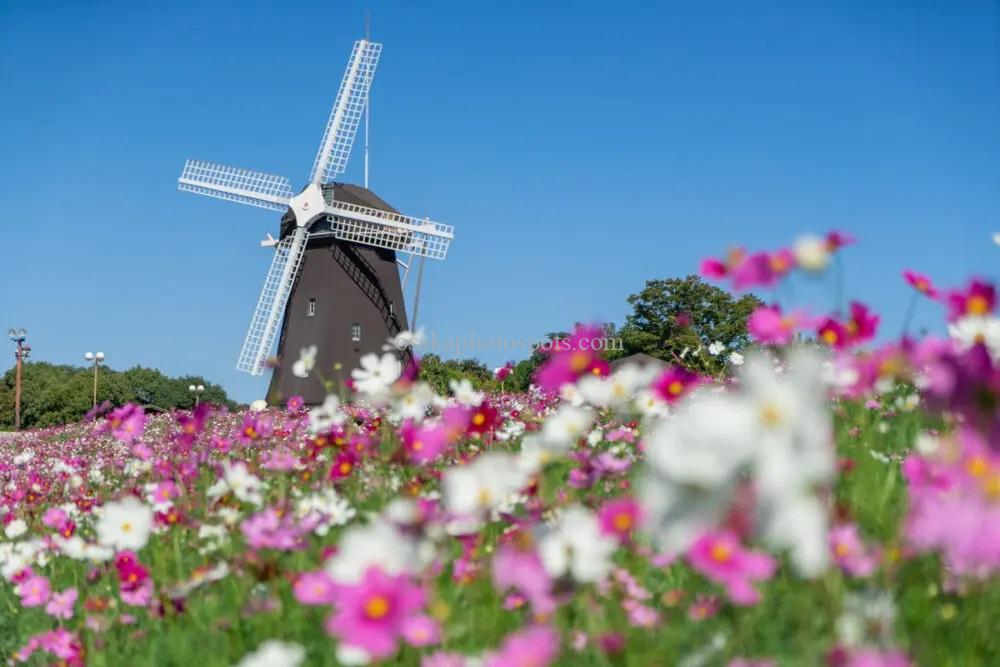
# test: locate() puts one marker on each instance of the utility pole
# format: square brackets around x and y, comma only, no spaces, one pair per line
[368,104]
[18,337]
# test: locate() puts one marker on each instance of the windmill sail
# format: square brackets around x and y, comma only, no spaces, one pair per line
[244,186]
[352,98]
[385,229]
[271,304]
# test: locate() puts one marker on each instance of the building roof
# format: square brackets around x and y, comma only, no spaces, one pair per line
[345,192]
[640,358]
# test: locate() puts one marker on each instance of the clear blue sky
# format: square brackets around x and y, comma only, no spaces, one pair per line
[579,150]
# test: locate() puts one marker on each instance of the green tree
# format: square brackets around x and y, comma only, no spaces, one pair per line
[676,320]
[438,373]
[58,394]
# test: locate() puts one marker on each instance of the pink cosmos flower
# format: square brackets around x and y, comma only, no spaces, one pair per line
[295,403]
[127,423]
[371,614]
[719,556]
[60,643]
[517,565]
[836,240]
[421,630]
[619,517]
[61,604]
[280,459]
[704,607]
[164,492]
[55,517]
[138,596]
[271,529]
[443,659]
[34,591]
[768,325]
[343,466]
[860,328]
[849,552]
[535,646]
[315,588]
[755,270]
[255,426]
[571,358]
[921,283]
[674,383]
[977,299]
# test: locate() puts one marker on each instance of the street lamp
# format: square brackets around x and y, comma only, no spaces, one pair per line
[18,337]
[196,389]
[95,359]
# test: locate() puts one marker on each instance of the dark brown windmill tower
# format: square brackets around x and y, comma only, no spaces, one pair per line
[334,281]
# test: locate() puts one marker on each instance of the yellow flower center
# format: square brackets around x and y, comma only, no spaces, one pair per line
[622,521]
[830,336]
[842,550]
[977,305]
[721,553]
[771,415]
[675,388]
[578,361]
[418,445]
[977,466]
[127,527]
[479,419]
[376,607]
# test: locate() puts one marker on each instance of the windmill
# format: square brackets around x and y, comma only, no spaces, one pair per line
[334,279]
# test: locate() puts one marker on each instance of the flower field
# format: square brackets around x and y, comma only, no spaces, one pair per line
[826,501]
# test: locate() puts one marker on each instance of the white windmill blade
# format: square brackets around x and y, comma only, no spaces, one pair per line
[348,108]
[393,231]
[271,304]
[244,186]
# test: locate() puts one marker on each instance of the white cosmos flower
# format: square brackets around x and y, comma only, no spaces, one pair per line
[791,425]
[736,359]
[811,253]
[404,340]
[352,655]
[125,524]
[576,547]
[326,416]
[996,238]
[245,485]
[562,429]
[650,405]
[716,348]
[305,363]
[376,374]
[378,544]
[799,524]
[977,329]
[414,403]
[16,529]
[274,653]
[483,485]
[465,393]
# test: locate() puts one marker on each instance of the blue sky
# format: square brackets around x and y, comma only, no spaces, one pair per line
[579,149]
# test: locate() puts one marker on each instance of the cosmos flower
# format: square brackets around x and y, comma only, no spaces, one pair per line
[921,283]
[378,544]
[674,383]
[125,524]
[619,517]
[977,299]
[274,653]
[483,485]
[575,546]
[61,604]
[537,646]
[372,614]
[376,374]
[768,325]
[719,556]
[306,362]
[849,553]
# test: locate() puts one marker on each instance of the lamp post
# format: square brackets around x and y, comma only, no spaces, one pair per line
[196,389]
[18,337]
[96,360]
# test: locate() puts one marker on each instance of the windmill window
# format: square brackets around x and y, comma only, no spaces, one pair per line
[356,332]
[392,309]
[311,310]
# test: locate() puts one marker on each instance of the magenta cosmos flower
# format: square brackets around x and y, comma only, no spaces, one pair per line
[719,556]
[127,423]
[373,614]
[849,552]
[536,646]
[921,283]
[674,383]
[977,299]
[619,517]
[768,325]
[573,357]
